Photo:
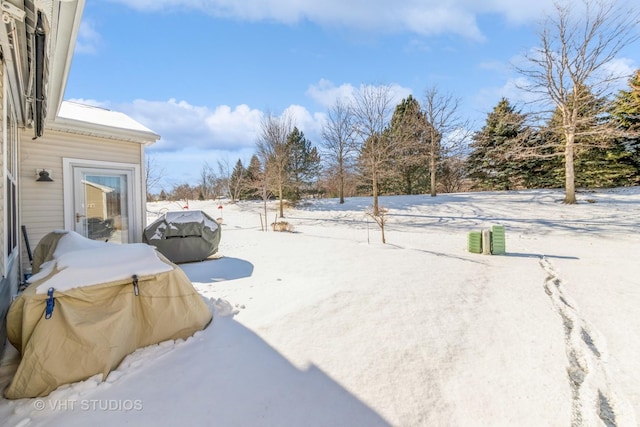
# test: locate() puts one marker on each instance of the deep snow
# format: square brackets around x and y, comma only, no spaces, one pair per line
[326,326]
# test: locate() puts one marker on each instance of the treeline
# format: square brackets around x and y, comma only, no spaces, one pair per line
[425,149]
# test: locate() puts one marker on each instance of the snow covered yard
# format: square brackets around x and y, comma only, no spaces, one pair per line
[326,326]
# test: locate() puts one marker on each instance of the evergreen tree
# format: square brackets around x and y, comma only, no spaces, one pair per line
[544,170]
[303,166]
[597,156]
[626,114]
[492,163]
[253,179]
[407,132]
[237,181]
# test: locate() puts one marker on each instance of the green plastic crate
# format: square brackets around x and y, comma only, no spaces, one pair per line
[498,240]
[474,242]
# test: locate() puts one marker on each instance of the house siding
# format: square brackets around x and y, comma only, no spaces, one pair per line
[3,248]
[42,209]
[9,278]
[5,282]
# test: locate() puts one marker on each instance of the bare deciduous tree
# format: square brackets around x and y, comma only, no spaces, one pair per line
[208,182]
[570,70]
[371,113]
[153,174]
[273,151]
[446,132]
[338,143]
[223,184]
[184,193]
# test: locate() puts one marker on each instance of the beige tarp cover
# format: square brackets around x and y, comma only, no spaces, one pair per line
[92,328]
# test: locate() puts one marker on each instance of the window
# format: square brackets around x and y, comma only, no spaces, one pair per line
[11,186]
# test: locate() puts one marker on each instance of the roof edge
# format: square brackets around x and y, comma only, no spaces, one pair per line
[85,128]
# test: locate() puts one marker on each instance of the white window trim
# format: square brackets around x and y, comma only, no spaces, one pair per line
[67,178]
[9,259]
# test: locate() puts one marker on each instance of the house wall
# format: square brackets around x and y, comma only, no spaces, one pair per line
[5,282]
[3,248]
[9,268]
[42,209]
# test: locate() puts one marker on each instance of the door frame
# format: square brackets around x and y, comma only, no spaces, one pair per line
[135,220]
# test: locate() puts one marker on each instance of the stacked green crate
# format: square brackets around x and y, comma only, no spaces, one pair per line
[498,240]
[474,242]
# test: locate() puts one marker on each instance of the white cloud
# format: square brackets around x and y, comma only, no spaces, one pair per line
[621,69]
[89,40]
[326,93]
[423,17]
[181,124]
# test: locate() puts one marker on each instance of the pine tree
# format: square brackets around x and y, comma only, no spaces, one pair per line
[626,114]
[492,163]
[598,157]
[237,181]
[253,179]
[303,166]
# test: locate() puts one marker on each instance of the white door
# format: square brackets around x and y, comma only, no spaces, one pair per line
[103,203]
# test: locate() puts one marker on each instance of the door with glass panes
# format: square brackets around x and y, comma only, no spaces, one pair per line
[103,203]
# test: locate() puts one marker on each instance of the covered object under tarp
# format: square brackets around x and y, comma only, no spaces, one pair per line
[92,303]
[184,236]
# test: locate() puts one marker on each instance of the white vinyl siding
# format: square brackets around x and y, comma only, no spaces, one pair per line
[43,207]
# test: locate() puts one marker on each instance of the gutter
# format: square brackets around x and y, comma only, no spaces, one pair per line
[101,131]
[39,99]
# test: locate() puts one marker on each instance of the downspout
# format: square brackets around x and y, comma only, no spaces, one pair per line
[39,76]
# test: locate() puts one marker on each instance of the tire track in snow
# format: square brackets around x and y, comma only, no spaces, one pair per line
[596,399]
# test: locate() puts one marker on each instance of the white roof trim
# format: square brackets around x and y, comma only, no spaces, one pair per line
[100,122]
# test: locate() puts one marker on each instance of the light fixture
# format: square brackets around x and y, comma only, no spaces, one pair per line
[43,176]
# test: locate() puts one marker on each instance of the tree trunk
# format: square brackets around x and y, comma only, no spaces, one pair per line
[280,192]
[375,192]
[569,172]
[432,173]
[341,189]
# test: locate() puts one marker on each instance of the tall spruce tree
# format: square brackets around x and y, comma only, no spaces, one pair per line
[626,114]
[253,179]
[237,181]
[492,164]
[597,155]
[303,166]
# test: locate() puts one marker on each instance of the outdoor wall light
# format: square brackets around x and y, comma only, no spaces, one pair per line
[44,176]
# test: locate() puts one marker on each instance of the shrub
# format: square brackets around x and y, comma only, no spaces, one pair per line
[282,226]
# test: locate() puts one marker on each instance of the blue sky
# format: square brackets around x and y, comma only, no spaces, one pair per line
[202,73]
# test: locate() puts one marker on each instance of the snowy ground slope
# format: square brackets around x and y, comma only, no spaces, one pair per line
[327,326]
